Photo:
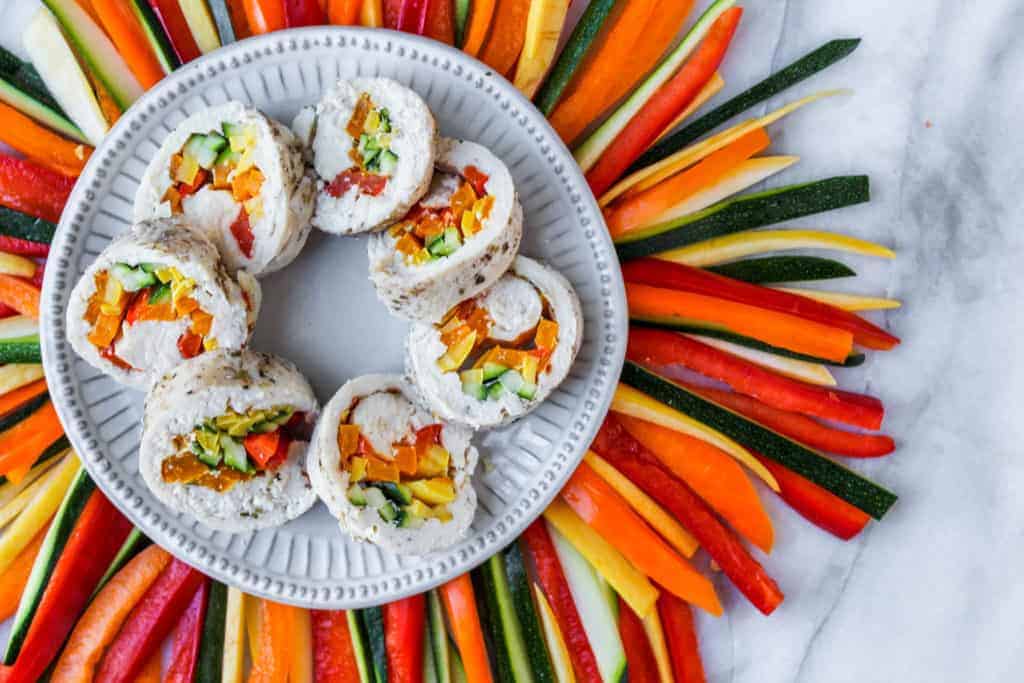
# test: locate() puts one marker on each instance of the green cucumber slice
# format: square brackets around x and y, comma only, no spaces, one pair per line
[21,350]
[805,67]
[360,646]
[398,493]
[473,383]
[132,546]
[227,156]
[526,611]
[437,642]
[500,622]
[206,457]
[17,224]
[132,279]
[210,660]
[848,485]
[775,269]
[572,55]
[461,16]
[388,162]
[512,381]
[495,390]
[222,17]
[391,513]
[53,545]
[745,213]
[25,77]
[599,620]
[373,621]
[160,293]
[99,54]
[155,35]
[493,371]
[234,454]
[356,496]
[197,147]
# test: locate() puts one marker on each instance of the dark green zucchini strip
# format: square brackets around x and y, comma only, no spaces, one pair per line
[803,68]
[27,79]
[21,350]
[745,213]
[775,269]
[210,661]
[844,483]
[572,54]
[21,225]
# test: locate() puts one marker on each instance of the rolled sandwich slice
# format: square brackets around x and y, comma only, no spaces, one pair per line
[455,242]
[494,357]
[392,473]
[240,177]
[372,142]
[224,439]
[156,296]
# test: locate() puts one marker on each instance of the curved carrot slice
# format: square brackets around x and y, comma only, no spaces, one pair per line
[343,12]
[712,474]
[479,21]
[20,295]
[126,34]
[645,208]
[106,613]
[264,16]
[460,604]
[507,35]
[598,505]
[13,399]
[40,144]
[14,578]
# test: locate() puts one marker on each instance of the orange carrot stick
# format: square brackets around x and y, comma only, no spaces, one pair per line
[460,604]
[344,12]
[371,14]
[40,144]
[712,474]
[125,32]
[507,35]
[479,22]
[645,208]
[13,399]
[771,327]
[14,578]
[277,635]
[24,442]
[264,16]
[597,504]
[20,295]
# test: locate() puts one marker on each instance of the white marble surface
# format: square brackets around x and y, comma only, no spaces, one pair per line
[933,592]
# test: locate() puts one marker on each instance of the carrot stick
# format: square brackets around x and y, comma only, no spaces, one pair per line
[107,612]
[264,16]
[460,604]
[371,14]
[343,12]
[40,144]
[645,208]
[772,327]
[14,578]
[125,32]
[276,643]
[598,505]
[712,474]
[20,295]
[23,443]
[13,399]
[479,21]
[507,35]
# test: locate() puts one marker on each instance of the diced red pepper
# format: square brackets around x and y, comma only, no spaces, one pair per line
[640,660]
[333,656]
[190,344]
[281,454]
[477,178]
[262,447]
[403,637]
[186,189]
[681,637]
[187,635]
[552,580]
[626,454]
[176,27]
[16,245]
[669,275]
[815,504]
[241,230]
[429,435]
[33,189]
[304,13]
[94,542]
[149,623]
[368,183]
[440,21]
[658,348]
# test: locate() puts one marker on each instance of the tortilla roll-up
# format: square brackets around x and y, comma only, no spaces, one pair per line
[225,437]
[493,358]
[157,295]
[371,142]
[392,473]
[455,242]
[240,177]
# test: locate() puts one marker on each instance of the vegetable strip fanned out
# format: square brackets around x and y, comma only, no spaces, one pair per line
[40,144]
[32,189]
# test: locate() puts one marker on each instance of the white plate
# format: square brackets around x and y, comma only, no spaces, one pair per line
[321,311]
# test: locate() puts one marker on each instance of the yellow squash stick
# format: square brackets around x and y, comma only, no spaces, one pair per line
[11,509]
[543,29]
[806,371]
[743,244]
[847,302]
[39,511]
[232,670]
[656,638]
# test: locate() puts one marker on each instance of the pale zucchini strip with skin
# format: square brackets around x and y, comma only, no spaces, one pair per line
[234,638]
[17,375]
[813,373]
[635,403]
[655,173]
[845,301]
[756,242]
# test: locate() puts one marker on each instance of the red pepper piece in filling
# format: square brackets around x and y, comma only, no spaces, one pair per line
[368,183]
[477,178]
[190,344]
[429,435]
[281,454]
[262,447]
[185,189]
[242,231]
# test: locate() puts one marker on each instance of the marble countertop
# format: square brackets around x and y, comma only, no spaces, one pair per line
[933,592]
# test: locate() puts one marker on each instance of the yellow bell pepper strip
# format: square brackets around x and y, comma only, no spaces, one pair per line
[234,637]
[659,648]
[740,245]
[38,513]
[371,14]
[544,25]
[843,300]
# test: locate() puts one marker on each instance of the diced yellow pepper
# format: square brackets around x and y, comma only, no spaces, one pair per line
[468,224]
[210,344]
[357,469]
[528,367]
[417,509]
[436,491]
[457,354]
[441,512]
[434,462]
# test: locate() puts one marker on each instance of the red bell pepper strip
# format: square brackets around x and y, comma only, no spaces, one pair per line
[460,604]
[333,656]
[803,429]
[412,16]
[16,245]
[441,21]
[818,506]
[661,110]
[36,280]
[683,650]
[98,535]
[6,311]
[626,454]
[33,189]
[552,580]
[185,648]
[403,636]
[392,8]
[640,662]
[176,27]
[149,623]
[658,273]
[304,13]
[653,347]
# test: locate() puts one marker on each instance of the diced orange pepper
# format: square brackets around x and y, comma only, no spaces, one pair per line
[547,335]
[408,245]
[348,439]
[105,330]
[381,470]
[463,199]
[220,176]
[245,186]
[455,335]
[405,459]
[510,358]
[185,305]
[201,322]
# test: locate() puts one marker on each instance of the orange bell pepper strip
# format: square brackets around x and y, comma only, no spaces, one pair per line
[771,327]
[20,295]
[712,474]
[343,12]
[480,15]
[597,504]
[125,32]
[40,144]
[23,443]
[460,604]
[645,208]
[23,394]
[508,34]
[239,21]
[630,46]
[277,636]
[371,14]
[14,578]
[264,16]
